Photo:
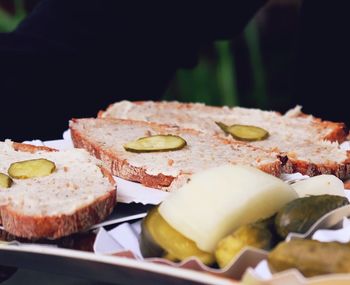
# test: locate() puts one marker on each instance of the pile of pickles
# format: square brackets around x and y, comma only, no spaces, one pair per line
[159,239]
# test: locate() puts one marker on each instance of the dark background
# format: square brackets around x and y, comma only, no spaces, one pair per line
[291,52]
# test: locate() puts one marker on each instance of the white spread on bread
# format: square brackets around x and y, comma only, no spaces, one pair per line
[294,131]
[201,152]
[77,181]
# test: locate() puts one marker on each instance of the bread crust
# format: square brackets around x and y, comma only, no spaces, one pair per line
[123,169]
[347,184]
[341,170]
[31,148]
[338,133]
[56,226]
[35,227]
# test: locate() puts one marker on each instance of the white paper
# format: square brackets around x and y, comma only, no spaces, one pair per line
[127,236]
[341,235]
[294,177]
[105,243]
[345,145]
[129,192]
[124,237]
[262,270]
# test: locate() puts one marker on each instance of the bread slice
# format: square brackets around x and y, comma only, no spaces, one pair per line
[104,138]
[202,117]
[310,145]
[78,194]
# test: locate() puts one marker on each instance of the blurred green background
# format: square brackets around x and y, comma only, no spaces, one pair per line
[255,69]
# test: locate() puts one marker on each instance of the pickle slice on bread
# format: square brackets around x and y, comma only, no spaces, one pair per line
[31,168]
[75,193]
[244,132]
[156,143]
[5,181]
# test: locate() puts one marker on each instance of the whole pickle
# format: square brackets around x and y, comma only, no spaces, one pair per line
[159,239]
[310,257]
[300,214]
[259,235]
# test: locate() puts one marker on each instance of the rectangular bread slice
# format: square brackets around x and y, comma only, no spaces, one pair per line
[76,195]
[104,138]
[310,145]
[202,117]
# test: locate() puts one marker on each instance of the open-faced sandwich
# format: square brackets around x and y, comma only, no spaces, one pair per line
[46,193]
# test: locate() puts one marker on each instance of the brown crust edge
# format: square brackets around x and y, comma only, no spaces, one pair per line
[35,227]
[272,168]
[341,170]
[339,131]
[347,184]
[30,148]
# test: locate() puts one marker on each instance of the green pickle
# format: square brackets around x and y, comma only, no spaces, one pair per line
[159,239]
[259,235]
[31,168]
[310,257]
[5,181]
[156,143]
[300,214]
[244,132]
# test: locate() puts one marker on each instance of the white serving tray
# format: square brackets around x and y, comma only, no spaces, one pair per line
[122,270]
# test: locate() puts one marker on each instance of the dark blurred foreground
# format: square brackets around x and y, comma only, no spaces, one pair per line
[98,52]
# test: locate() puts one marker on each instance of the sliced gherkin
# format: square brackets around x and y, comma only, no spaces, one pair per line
[159,239]
[156,143]
[310,257]
[5,181]
[31,168]
[223,126]
[244,132]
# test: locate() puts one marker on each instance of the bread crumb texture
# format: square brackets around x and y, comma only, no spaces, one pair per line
[76,183]
[202,151]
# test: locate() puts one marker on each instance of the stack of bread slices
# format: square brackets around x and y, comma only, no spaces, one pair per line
[296,143]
